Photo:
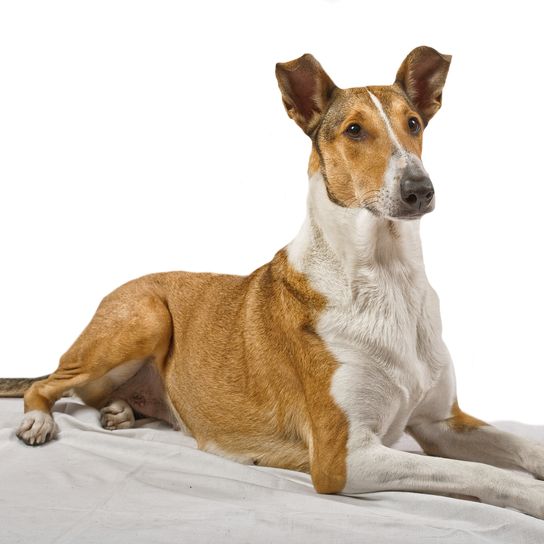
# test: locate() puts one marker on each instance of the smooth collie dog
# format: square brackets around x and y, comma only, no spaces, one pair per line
[319,360]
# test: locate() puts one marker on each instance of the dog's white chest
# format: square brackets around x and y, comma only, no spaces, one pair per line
[382,322]
[381,377]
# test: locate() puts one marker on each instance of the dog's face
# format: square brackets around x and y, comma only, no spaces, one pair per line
[367,140]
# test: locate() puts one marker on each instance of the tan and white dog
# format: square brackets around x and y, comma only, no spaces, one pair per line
[319,360]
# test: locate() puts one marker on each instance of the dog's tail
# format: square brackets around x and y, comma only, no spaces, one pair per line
[16,387]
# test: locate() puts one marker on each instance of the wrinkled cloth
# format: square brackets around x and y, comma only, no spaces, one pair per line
[150,484]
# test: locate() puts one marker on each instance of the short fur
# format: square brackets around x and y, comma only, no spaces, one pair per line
[319,360]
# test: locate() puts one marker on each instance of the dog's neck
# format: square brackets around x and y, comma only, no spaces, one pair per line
[349,246]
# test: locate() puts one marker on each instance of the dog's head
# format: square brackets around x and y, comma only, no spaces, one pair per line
[367,140]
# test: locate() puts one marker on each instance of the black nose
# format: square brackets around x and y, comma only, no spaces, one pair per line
[416,192]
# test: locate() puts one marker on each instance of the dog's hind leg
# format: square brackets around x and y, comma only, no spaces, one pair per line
[131,326]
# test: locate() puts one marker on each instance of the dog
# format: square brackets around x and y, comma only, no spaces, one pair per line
[319,360]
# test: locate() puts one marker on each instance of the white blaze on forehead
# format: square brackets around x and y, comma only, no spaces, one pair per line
[401,159]
[387,123]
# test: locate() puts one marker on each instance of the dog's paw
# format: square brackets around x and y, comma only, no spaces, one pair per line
[117,415]
[37,428]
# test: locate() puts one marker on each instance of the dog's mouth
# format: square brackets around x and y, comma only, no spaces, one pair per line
[396,210]
[410,215]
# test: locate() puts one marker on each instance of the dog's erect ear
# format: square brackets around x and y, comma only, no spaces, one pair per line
[306,90]
[422,76]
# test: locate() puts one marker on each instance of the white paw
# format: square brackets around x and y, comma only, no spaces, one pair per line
[117,415]
[37,428]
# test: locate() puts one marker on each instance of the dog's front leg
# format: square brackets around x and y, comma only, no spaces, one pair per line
[464,437]
[374,467]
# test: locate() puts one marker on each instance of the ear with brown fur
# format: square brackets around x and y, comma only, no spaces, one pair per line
[306,90]
[422,76]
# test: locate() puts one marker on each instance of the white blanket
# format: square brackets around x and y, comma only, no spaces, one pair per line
[151,485]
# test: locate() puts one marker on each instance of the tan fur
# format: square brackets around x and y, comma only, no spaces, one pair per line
[399,111]
[242,365]
[461,422]
[354,170]
[130,324]
[313,163]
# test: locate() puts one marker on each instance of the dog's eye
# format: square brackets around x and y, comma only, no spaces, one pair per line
[413,125]
[354,131]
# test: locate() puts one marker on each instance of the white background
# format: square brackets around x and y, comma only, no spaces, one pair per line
[146,136]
